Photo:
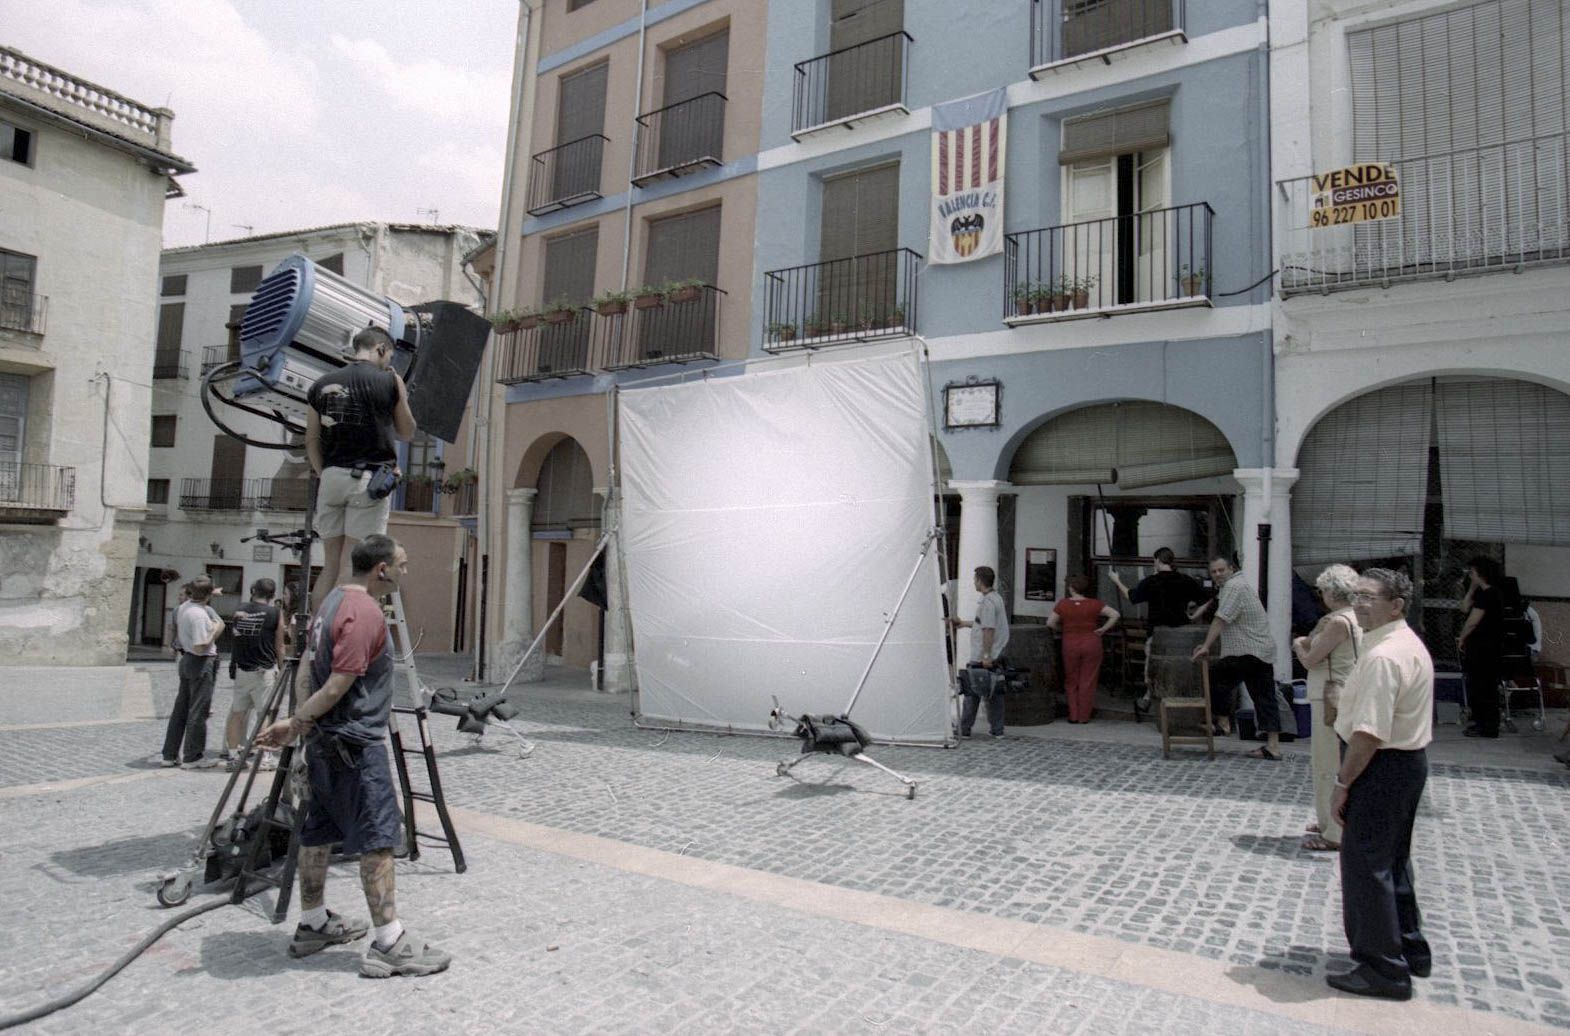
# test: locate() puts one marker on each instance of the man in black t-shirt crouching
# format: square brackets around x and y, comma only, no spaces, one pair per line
[354,415]
[253,664]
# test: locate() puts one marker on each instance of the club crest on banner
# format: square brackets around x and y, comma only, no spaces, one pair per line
[968,149]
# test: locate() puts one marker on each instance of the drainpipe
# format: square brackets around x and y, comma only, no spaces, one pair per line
[1268,379]
[632,157]
[503,293]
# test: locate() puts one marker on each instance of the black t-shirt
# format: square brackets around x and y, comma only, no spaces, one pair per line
[1489,633]
[355,405]
[1169,594]
[255,628]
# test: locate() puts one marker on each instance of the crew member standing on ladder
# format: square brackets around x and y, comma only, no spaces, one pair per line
[352,802]
[354,415]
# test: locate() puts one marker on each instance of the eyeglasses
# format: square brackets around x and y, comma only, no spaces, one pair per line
[1361,597]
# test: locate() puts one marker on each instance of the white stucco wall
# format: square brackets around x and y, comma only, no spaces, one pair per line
[93,216]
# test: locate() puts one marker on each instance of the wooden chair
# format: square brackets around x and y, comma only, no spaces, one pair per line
[1200,704]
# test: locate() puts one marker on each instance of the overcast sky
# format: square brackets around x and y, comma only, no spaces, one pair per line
[299,113]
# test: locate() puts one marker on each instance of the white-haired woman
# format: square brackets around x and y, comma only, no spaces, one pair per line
[1328,654]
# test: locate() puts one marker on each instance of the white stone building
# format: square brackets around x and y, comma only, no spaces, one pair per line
[206,490]
[1422,361]
[84,174]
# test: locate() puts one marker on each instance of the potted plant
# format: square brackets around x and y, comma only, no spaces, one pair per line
[528,319]
[782,332]
[1062,291]
[504,321]
[1192,282]
[896,317]
[560,311]
[611,303]
[838,325]
[684,291]
[870,321]
[816,326]
[1025,295]
[1082,288]
[648,297]
[463,477]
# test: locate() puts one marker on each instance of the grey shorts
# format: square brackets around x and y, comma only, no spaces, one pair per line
[344,509]
[252,688]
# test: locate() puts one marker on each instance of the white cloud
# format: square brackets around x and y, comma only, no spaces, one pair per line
[431,86]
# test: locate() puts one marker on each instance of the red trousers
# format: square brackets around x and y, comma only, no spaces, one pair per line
[1081,674]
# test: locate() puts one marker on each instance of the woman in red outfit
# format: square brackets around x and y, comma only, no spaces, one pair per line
[1083,621]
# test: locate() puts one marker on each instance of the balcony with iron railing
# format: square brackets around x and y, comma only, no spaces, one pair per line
[244,494]
[23,311]
[680,138]
[1068,33]
[566,175]
[1503,206]
[849,86]
[553,346]
[842,300]
[680,327]
[217,356]
[35,492]
[170,364]
[1102,267]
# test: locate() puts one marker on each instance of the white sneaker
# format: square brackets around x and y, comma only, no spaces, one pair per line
[161,761]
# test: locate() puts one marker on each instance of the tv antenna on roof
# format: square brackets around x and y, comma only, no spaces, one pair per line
[434,215]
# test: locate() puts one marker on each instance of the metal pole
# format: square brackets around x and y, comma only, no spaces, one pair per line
[888,625]
[577,584]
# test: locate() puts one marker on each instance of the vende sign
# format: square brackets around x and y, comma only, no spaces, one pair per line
[1368,191]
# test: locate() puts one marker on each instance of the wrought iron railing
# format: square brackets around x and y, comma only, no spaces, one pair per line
[567,174]
[1501,207]
[1062,30]
[1149,259]
[680,138]
[36,487]
[465,498]
[170,363]
[868,296]
[21,311]
[217,356]
[244,494]
[417,496]
[546,350]
[682,328]
[849,82]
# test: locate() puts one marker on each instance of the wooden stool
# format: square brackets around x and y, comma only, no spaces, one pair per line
[1199,704]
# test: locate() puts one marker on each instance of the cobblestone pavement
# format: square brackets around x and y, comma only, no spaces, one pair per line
[1191,858]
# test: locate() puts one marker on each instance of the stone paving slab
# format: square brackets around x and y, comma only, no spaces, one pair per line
[542,943]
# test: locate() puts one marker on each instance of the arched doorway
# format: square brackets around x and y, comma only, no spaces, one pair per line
[1425,475]
[565,513]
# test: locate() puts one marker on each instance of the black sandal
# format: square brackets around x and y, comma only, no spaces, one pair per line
[1264,753]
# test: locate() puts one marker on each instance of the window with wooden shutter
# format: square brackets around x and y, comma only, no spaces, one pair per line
[244,279]
[866,67]
[861,227]
[691,123]
[13,424]
[171,328]
[1472,103]
[1123,131]
[173,284]
[164,429]
[684,247]
[226,487]
[569,275]
[566,490]
[1090,25]
[1504,460]
[580,113]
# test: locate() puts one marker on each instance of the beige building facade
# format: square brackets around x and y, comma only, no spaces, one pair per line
[84,174]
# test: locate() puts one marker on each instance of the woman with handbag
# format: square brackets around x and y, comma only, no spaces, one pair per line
[1328,653]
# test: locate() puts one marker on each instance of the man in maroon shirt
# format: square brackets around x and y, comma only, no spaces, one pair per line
[352,801]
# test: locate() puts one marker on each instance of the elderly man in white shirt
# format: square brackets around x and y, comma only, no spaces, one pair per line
[1387,720]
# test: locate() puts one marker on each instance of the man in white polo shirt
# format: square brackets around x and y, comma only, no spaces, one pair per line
[1387,720]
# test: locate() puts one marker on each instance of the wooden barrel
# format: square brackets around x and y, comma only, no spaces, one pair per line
[1173,673]
[1032,646]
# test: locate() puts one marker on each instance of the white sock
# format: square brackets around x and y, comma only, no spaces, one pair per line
[387,934]
[314,918]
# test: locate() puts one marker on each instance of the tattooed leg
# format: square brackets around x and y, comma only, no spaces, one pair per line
[376,878]
[313,875]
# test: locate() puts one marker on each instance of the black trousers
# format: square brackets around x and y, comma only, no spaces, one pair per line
[1378,900]
[1258,676]
[1482,689]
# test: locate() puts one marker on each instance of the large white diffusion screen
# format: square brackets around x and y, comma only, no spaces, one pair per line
[770,522]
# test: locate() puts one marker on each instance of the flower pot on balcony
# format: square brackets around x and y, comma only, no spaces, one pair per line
[648,300]
[837,327]
[560,316]
[528,323]
[1192,286]
[1061,300]
[507,327]
[1081,299]
[688,294]
[611,309]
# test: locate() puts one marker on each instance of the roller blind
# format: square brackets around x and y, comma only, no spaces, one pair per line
[1121,132]
[1504,461]
[698,68]
[580,110]
[569,266]
[683,247]
[1133,445]
[171,326]
[566,485]
[858,21]
[860,213]
[1363,478]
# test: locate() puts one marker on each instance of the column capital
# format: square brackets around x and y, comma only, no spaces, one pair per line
[980,490]
[1253,479]
[522,495]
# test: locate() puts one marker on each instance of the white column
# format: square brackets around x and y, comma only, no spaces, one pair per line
[518,616]
[619,675]
[1267,500]
[978,545]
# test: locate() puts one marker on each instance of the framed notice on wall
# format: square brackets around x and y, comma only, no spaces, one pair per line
[1041,574]
[972,404]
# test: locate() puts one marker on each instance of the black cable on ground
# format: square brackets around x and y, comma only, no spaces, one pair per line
[34,1013]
